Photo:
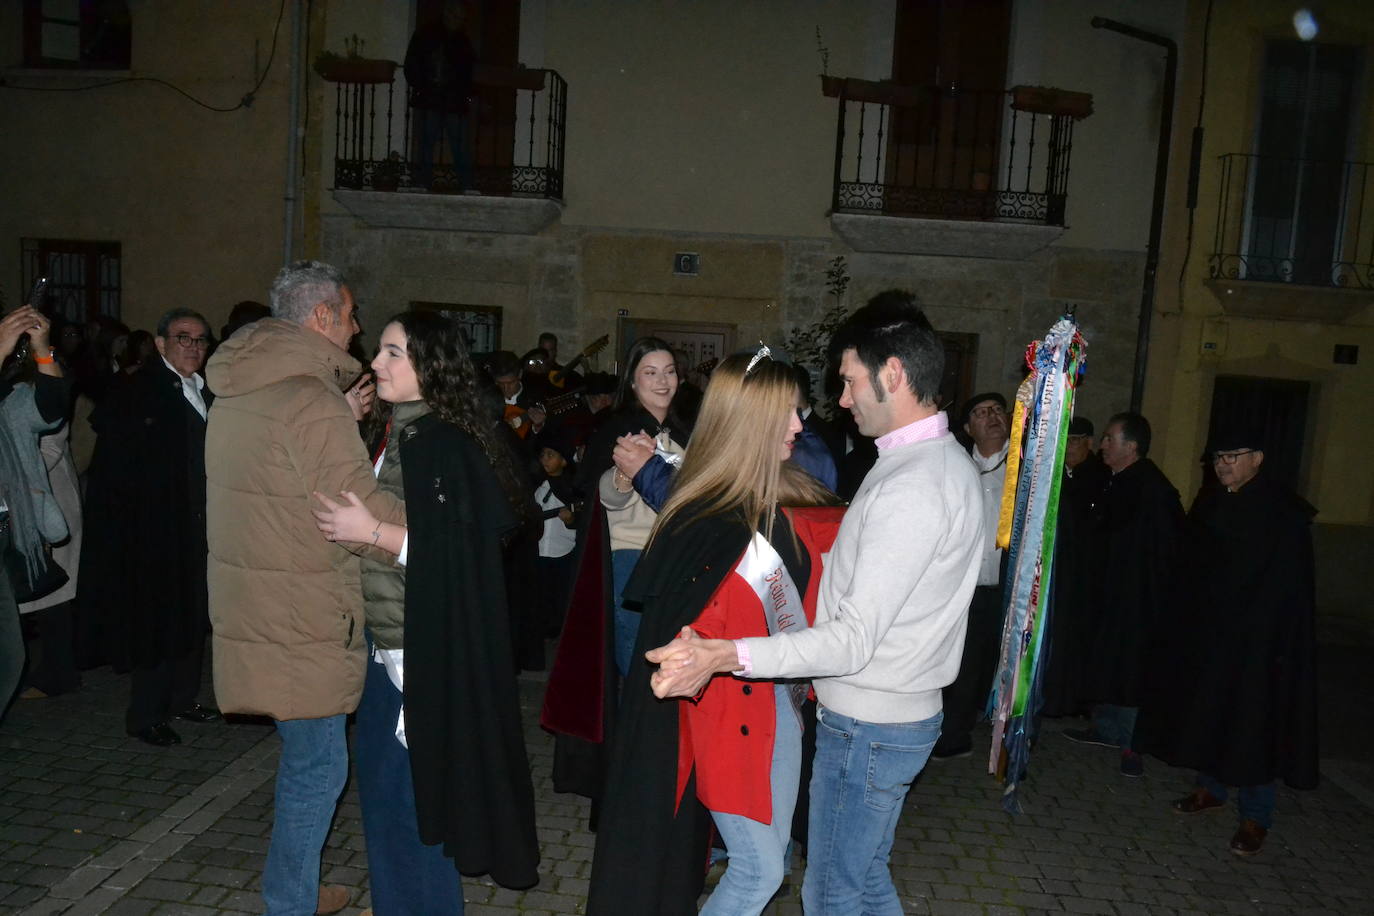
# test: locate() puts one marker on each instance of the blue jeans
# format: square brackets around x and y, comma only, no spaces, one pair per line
[1115,723]
[758,852]
[626,622]
[1256,802]
[310,778]
[408,878]
[860,779]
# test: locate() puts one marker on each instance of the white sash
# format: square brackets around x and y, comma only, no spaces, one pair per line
[765,572]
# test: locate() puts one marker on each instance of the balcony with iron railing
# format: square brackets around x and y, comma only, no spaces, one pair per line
[1293,237]
[498,166]
[917,153]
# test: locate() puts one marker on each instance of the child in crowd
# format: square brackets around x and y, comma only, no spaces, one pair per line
[558,504]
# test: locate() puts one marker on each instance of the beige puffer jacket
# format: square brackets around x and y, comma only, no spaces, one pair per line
[286,605]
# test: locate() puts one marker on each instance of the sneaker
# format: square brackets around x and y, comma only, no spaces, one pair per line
[1088,736]
[1132,764]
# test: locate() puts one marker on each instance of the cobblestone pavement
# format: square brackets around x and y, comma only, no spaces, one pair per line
[94,822]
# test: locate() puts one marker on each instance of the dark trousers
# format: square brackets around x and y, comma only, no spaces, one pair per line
[56,671]
[967,697]
[165,689]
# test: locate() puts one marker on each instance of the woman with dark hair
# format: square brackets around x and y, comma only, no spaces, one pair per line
[594,653]
[725,559]
[440,754]
[643,404]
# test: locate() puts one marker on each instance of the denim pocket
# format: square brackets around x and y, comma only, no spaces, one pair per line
[891,770]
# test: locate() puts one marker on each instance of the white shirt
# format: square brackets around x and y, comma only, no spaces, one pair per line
[190,388]
[558,539]
[992,473]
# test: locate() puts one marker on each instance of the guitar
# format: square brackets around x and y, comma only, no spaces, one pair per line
[558,378]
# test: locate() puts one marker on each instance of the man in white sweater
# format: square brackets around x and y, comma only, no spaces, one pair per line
[892,613]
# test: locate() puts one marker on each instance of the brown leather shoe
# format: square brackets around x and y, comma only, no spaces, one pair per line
[1196,802]
[1249,838]
[332,899]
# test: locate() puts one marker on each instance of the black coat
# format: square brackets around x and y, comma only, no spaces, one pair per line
[1071,611]
[649,857]
[1234,688]
[580,702]
[143,559]
[462,704]
[1135,532]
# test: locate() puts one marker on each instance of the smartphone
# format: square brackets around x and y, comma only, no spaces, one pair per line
[35,299]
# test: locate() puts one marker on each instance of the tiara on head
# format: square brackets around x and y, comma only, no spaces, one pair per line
[763,352]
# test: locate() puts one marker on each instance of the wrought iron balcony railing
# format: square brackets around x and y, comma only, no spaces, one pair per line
[941,152]
[1302,221]
[509,142]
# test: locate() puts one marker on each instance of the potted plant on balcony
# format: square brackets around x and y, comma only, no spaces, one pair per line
[352,67]
[386,175]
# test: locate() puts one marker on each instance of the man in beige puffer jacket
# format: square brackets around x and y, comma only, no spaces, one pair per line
[285,604]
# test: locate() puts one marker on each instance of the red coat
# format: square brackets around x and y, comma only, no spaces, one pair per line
[727,731]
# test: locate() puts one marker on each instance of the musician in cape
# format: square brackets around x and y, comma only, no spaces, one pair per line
[1232,691]
[726,559]
[522,392]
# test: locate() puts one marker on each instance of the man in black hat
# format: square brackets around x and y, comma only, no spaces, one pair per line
[986,423]
[1236,693]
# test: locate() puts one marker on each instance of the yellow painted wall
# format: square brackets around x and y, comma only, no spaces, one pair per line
[195,197]
[1338,479]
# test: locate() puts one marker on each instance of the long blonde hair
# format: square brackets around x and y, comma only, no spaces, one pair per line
[732,463]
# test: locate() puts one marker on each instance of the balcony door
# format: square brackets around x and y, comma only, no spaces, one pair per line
[493,27]
[947,145]
[1300,182]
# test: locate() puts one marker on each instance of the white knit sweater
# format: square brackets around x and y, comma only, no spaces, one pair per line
[895,592]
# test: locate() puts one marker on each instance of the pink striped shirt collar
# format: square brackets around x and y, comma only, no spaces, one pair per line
[932,427]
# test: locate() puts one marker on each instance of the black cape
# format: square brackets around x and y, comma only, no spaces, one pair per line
[651,858]
[1071,609]
[1234,687]
[143,557]
[1136,535]
[580,702]
[462,705]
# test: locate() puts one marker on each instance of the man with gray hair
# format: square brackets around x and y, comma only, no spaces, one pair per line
[286,604]
[143,562]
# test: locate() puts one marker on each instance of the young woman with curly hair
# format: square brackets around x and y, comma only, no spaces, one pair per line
[442,771]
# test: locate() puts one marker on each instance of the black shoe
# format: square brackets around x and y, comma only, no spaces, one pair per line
[159,735]
[198,713]
[952,753]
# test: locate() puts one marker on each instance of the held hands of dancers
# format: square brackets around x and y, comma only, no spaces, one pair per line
[686,664]
[632,452]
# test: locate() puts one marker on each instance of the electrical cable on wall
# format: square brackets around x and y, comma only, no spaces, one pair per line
[245,102]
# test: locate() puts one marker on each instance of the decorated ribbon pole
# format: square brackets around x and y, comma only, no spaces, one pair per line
[1026,529]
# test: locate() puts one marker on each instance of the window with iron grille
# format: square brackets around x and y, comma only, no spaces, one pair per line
[481,324]
[83,277]
[77,34]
